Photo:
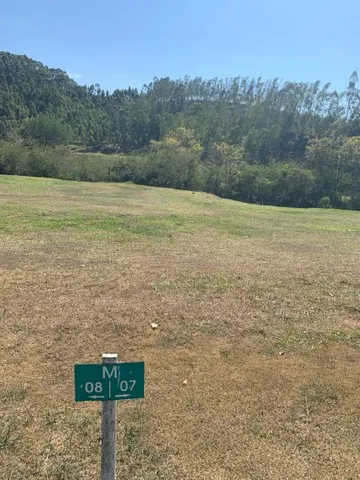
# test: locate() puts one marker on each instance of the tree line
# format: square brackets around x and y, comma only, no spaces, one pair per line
[271,142]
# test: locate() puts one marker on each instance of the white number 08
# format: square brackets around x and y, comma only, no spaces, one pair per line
[91,387]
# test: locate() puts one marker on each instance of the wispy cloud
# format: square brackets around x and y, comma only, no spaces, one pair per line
[75,76]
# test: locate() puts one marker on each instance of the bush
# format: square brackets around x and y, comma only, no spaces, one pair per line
[325,202]
[46,131]
[173,169]
[12,160]
[126,169]
[275,184]
[355,201]
[345,202]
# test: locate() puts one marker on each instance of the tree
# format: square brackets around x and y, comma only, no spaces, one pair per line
[336,162]
[180,139]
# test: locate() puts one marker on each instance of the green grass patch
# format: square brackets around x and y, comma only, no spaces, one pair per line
[35,203]
[299,341]
[351,338]
[199,283]
[119,225]
[303,341]
[12,394]
[10,433]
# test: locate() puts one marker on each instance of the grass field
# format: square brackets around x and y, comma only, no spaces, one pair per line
[258,309]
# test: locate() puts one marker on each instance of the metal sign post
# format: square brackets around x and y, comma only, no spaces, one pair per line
[108,430]
[108,382]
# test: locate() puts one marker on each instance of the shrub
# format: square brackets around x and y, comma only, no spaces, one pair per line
[46,131]
[325,202]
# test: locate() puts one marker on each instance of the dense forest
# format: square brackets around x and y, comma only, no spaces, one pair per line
[271,142]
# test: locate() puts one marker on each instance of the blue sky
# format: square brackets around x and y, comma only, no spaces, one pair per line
[118,43]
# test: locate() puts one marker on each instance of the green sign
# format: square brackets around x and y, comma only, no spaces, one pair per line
[109,381]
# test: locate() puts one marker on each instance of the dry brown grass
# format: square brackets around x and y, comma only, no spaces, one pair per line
[230,285]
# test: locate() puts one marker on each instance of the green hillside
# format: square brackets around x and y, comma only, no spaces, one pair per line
[253,140]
